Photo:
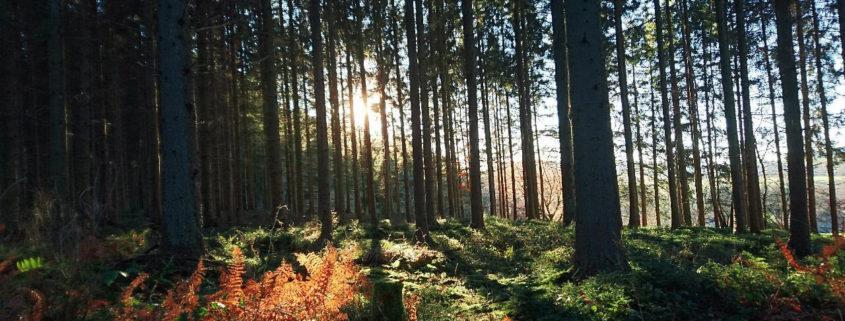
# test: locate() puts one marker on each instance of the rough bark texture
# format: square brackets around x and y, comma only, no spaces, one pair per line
[755,213]
[598,225]
[799,229]
[476,210]
[564,123]
[667,127]
[180,232]
[730,115]
[622,70]
[421,233]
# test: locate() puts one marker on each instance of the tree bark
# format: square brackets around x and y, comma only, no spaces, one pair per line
[598,224]
[563,109]
[828,150]
[730,115]
[799,230]
[622,71]
[180,231]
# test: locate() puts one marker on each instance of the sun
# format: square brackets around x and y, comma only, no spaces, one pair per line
[367,108]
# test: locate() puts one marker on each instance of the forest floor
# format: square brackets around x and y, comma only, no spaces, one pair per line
[518,269]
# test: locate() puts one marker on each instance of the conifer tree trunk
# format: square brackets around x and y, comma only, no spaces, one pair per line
[270,110]
[799,231]
[526,128]
[382,78]
[730,115]
[633,206]
[421,233]
[331,52]
[323,173]
[692,102]
[654,138]
[488,140]
[598,224]
[755,214]
[771,86]
[642,190]
[828,151]
[681,164]
[809,153]
[564,122]
[180,231]
[675,213]
[57,167]
[476,210]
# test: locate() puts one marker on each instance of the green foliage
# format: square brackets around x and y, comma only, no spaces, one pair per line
[30,264]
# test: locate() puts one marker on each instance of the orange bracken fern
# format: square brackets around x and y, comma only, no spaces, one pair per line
[331,281]
[822,271]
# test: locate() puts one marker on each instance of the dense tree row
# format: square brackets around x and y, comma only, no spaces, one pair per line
[211,113]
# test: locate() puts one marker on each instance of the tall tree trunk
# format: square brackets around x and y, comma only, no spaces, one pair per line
[56,92]
[675,213]
[771,86]
[622,71]
[642,190]
[270,111]
[180,231]
[563,108]
[799,231]
[400,104]
[598,224]
[730,115]
[808,121]
[692,102]
[526,129]
[755,214]
[828,151]
[709,107]
[681,160]
[382,78]
[424,59]
[654,138]
[476,210]
[421,233]
[488,140]
[353,129]
[331,51]
[323,172]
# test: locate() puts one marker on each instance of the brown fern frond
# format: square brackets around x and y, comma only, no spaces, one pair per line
[38,305]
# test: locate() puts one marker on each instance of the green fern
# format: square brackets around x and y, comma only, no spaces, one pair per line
[30,264]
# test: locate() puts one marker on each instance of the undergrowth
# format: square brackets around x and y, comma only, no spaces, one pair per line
[515,270]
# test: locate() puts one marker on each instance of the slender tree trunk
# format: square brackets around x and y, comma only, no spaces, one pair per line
[681,161]
[654,138]
[323,172]
[622,71]
[526,128]
[675,213]
[382,79]
[692,102]
[488,141]
[709,107]
[598,224]
[828,151]
[421,233]
[771,86]
[755,214]
[399,84]
[564,124]
[641,165]
[339,186]
[476,210]
[57,167]
[730,115]
[808,121]
[799,231]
